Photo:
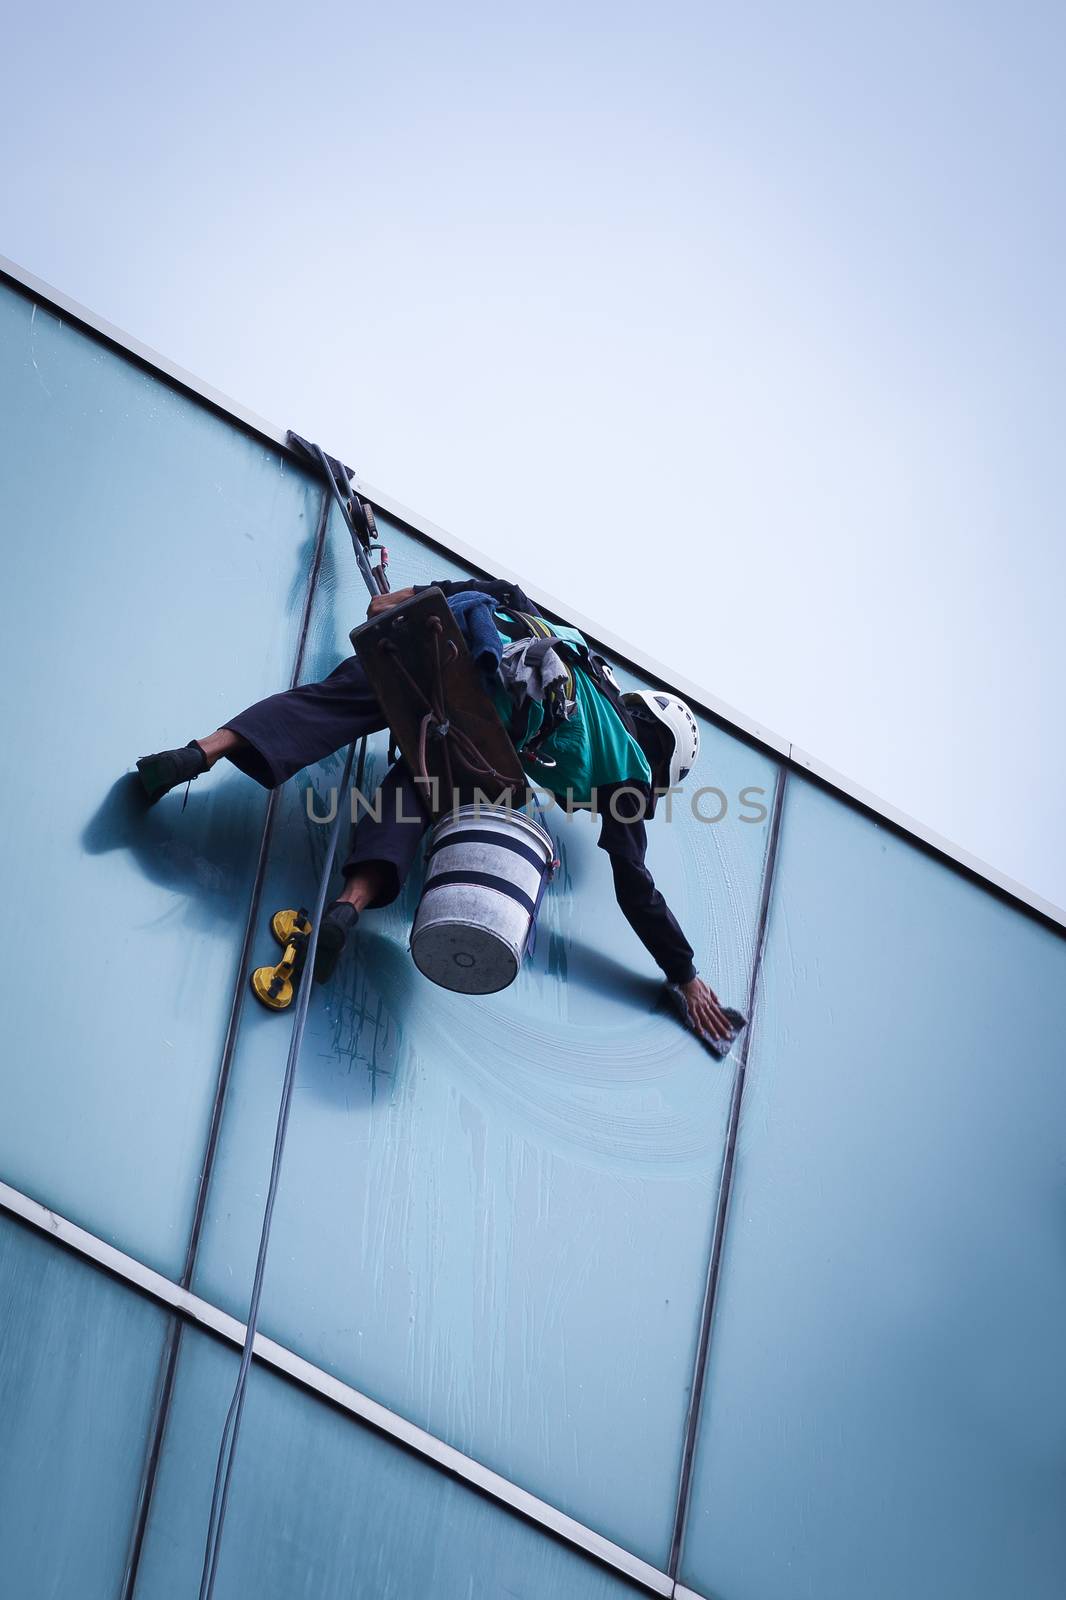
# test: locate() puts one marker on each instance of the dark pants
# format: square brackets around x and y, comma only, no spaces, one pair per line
[287,732]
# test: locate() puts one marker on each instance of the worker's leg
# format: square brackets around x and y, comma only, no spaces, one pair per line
[386,841]
[367,885]
[223,742]
[287,732]
[277,736]
[383,851]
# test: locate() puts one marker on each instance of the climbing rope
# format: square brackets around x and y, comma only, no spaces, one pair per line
[231,1427]
[354,514]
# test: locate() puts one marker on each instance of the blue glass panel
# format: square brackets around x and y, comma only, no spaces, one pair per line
[155,569]
[322,1507]
[885,1407]
[79,1362]
[495,1213]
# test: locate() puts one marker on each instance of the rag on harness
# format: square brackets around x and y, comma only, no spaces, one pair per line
[539,683]
[535,675]
[574,653]
[473,611]
[532,669]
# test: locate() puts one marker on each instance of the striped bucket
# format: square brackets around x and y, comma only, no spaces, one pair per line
[486,872]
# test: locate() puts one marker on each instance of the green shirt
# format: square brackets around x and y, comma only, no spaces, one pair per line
[592,748]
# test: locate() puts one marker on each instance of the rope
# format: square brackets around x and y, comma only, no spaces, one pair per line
[434,720]
[369,576]
[232,1426]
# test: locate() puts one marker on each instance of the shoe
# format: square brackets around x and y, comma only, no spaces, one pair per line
[168,769]
[338,920]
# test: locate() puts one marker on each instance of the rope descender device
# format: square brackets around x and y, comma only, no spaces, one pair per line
[275,986]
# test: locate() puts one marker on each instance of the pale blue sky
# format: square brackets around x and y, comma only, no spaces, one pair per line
[742,327]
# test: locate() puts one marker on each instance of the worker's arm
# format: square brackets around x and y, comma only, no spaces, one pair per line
[624,837]
[385,602]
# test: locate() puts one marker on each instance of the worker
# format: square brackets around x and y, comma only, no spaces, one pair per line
[617,753]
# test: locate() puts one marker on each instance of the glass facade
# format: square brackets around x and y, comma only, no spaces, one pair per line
[323,1507]
[885,1406]
[496,1214]
[79,1358]
[156,563]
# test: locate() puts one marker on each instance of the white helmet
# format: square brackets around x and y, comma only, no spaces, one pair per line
[681,727]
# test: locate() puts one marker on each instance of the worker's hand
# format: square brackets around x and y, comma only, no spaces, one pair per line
[385,602]
[706,1011]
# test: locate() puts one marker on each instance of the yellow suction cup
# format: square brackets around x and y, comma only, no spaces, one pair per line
[283,924]
[275,986]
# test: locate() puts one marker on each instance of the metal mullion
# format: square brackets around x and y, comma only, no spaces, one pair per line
[721,1212]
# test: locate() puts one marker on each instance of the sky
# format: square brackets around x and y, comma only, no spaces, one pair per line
[741,329]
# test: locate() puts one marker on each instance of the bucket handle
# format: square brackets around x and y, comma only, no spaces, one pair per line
[531,942]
